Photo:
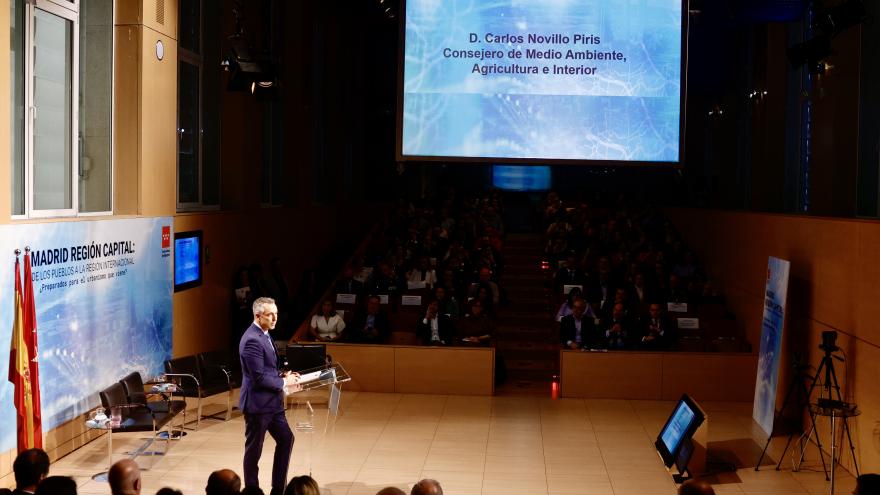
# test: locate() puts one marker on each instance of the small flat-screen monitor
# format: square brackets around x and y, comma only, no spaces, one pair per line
[306,356]
[521,177]
[686,417]
[187,260]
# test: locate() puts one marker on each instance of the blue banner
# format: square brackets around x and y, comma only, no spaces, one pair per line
[771,343]
[103,293]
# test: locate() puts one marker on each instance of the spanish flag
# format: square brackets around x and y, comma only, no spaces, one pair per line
[20,373]
[30,340]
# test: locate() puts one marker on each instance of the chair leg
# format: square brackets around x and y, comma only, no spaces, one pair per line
[199,412]
[229,405]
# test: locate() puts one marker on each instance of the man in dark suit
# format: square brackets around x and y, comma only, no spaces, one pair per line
[435,328]
[618,328]
[371,326]
[262,397]
[657,331]
[575,331]
[570,274]
[348,285]
[30,468]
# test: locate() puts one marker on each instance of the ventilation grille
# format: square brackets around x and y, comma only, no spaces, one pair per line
[160,12]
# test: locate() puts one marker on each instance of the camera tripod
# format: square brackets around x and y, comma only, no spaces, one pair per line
[830,403]
[798,390]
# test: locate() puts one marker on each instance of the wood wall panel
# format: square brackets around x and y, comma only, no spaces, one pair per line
[371,366]
[710,376]
[158,140]
[834,285]
[658,375]
[126,118]
[446,370]
[611,375]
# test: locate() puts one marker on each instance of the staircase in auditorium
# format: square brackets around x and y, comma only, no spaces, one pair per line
[526,333]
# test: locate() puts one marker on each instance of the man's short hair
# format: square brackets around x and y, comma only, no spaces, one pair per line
[391,490]
[427,487]
[868,484]
[261,303]
[30,467]
[696,487]
[56,485]
[223,482]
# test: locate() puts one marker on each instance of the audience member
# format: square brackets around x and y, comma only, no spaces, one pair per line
[168,491]
[448,303]
[30,468]
[328,325]
[384,281]
[639,291]
[252,490]
[618,329]
[566,306]
[302,485]
[422,275]
[696,487]
[223,482]
[56,485]
[391,490]
[427,487]
[124,478]
[348,284]
[485,280]
[476,328]
[575,331]
[657,332]
[867,484]
[435,328]
[370,326]
[569,274]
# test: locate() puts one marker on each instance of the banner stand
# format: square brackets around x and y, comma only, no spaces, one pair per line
[767,377]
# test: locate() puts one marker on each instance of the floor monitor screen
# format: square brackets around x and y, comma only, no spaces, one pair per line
[686,417]
[560,81]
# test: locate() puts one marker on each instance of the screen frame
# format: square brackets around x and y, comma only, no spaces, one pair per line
[305,349]
[682,116]
[198,281]
[668,457]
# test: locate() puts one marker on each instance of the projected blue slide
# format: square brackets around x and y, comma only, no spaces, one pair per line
[558,79]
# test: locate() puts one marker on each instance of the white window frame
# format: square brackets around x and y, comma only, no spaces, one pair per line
[68,10]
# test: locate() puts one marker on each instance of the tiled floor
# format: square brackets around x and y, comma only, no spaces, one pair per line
[476,445]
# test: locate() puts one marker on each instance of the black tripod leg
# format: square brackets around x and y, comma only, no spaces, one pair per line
[852,448]
[819,445]
[781,456]
[809,393]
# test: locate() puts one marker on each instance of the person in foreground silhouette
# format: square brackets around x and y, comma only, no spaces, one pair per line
[696,487]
